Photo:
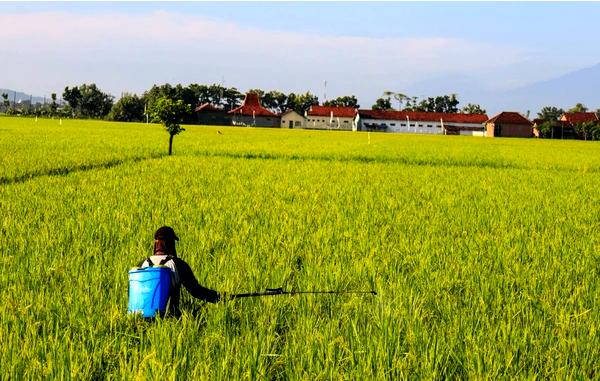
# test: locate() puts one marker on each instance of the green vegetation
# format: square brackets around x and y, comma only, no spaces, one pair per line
[484,253]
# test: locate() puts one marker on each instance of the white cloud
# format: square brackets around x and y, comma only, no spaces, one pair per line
[123,52]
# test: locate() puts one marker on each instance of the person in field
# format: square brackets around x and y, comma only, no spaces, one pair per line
[181,273]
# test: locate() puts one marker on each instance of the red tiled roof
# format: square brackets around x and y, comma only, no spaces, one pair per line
[421,116]
[251,107]
[579,117]
[207,107]
[338,112]
[511,118]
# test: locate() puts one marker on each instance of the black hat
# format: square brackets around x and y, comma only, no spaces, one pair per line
[165,233]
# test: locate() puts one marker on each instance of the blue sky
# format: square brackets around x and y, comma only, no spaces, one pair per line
[358,47]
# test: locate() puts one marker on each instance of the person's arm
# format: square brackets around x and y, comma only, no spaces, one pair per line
[189,281]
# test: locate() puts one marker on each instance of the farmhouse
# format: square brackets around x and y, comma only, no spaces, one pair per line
[421,122]
[291,119]
[331,118]
[509,124]
[578,117]
[251,113]
[212,115]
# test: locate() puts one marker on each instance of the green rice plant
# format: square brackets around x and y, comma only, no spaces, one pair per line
[484,253]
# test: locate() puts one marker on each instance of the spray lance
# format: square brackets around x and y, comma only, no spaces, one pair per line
[281,291]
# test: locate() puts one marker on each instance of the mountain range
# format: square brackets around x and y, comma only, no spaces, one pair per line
[18,96]
[580,86]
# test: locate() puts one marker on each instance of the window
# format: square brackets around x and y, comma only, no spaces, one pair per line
[420,125]
[412,125]
[297,123]
[429,125]
[403,125]
[345,121]
[392,124]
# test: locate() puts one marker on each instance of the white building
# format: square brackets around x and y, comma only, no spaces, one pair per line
[418,122]
[331,118]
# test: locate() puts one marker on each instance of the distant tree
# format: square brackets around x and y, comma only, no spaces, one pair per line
[587,130]
[260,92]
[130,108]
[550,113]
[232,98]
[578,108]
[443,103]
[94,102]
[88,101]
[412,104]
[73,98]
[170,113]
[546,128]
[382,104]
[598,113]
[471,108]
[5,101]
[399,97]
[343,101]
[301,102]
[53,105]
[275,100]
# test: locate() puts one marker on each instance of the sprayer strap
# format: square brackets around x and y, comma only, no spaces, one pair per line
[150,264]
[167,259]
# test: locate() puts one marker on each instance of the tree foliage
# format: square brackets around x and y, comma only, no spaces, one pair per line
[170,113]
[130,108]
[88,101]
[550,113]
[442,103]
[383,104]
[5,101]
[471,108]
[301,102]
[343,101]
[579,107]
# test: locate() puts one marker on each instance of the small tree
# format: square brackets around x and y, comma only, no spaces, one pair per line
[550,113]
[579,107]
[5,102]
[472,109]
[53,105]
[170,114]
[383,104]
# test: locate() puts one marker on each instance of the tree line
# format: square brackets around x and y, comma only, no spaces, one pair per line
[549,125]
[88,101]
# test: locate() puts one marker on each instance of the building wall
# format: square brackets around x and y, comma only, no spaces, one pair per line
[415,127]
[323,122]
[259,121]
[214,118]
[509,130]
[298,121]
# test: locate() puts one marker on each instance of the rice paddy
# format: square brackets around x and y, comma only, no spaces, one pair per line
[485,253]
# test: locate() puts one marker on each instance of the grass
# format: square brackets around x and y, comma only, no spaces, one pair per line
[484,253]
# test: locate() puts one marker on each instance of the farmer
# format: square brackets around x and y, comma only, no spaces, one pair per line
[182,274]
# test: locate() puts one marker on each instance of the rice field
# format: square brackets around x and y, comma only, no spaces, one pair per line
[485,253]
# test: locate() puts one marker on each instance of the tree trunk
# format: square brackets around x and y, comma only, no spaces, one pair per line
[171,144]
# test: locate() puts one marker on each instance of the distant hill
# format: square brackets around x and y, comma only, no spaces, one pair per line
[581,86]
[20,96]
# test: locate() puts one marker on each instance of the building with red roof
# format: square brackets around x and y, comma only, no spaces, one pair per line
[509,124]
[421,122]
[212,115]
[252,113]
[579,117]
[331,117]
